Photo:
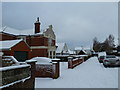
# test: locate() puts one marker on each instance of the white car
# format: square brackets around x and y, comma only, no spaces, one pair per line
[111,60]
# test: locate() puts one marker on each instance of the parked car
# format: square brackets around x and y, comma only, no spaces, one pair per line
[101,58]
[111,60]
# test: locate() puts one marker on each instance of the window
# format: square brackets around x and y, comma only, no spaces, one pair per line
[49,42]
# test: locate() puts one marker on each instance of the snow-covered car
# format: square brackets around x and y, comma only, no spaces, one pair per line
[111,60]
[101,58]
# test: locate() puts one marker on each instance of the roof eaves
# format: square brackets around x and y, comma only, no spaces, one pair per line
[17,43]
[5,49]
[8,33]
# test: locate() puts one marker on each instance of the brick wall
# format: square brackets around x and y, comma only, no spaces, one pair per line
[74,62]
[37,41]
[43,70]
[47,70]
[28,83]
[39,53]
[56,70]
[7,53]
[19,47]
[7,37]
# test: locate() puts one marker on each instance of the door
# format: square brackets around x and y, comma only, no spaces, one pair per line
[21,56]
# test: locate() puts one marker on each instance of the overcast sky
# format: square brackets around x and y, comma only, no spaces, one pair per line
[74,23]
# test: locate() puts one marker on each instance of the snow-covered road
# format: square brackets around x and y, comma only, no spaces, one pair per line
[90,74]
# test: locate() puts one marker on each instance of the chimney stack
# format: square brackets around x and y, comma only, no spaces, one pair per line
[37,26]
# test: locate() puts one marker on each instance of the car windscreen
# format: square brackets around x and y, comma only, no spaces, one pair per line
[102,57]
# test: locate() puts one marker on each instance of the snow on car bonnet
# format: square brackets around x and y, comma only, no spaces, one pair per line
[102,54]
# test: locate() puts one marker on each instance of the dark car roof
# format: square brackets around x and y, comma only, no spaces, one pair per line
[102,56]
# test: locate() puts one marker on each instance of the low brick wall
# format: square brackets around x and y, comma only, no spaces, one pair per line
[56,70]
[24,85]
[16,77]
[47,70]
[15,74]
[43,70]
[74,62]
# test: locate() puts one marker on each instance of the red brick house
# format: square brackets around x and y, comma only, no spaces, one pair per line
[42,44]
[17,48]
[6,36]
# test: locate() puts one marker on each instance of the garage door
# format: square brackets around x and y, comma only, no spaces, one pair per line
[21,55]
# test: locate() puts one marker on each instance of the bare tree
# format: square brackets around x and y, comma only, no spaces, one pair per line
[107,45]
[111,40]
[95,44]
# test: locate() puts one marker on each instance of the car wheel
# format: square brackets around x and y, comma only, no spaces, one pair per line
[105,65]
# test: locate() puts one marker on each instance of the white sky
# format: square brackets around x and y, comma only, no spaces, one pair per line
[74,23]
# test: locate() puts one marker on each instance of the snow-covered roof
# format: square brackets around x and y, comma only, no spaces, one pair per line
[83,55]
[82,48]
[84,51]
[10,30]
[42,60]
[60,47]
[7,44]
[71,51]
[13,31]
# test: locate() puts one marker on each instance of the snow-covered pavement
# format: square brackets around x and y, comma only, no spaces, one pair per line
[90,74]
